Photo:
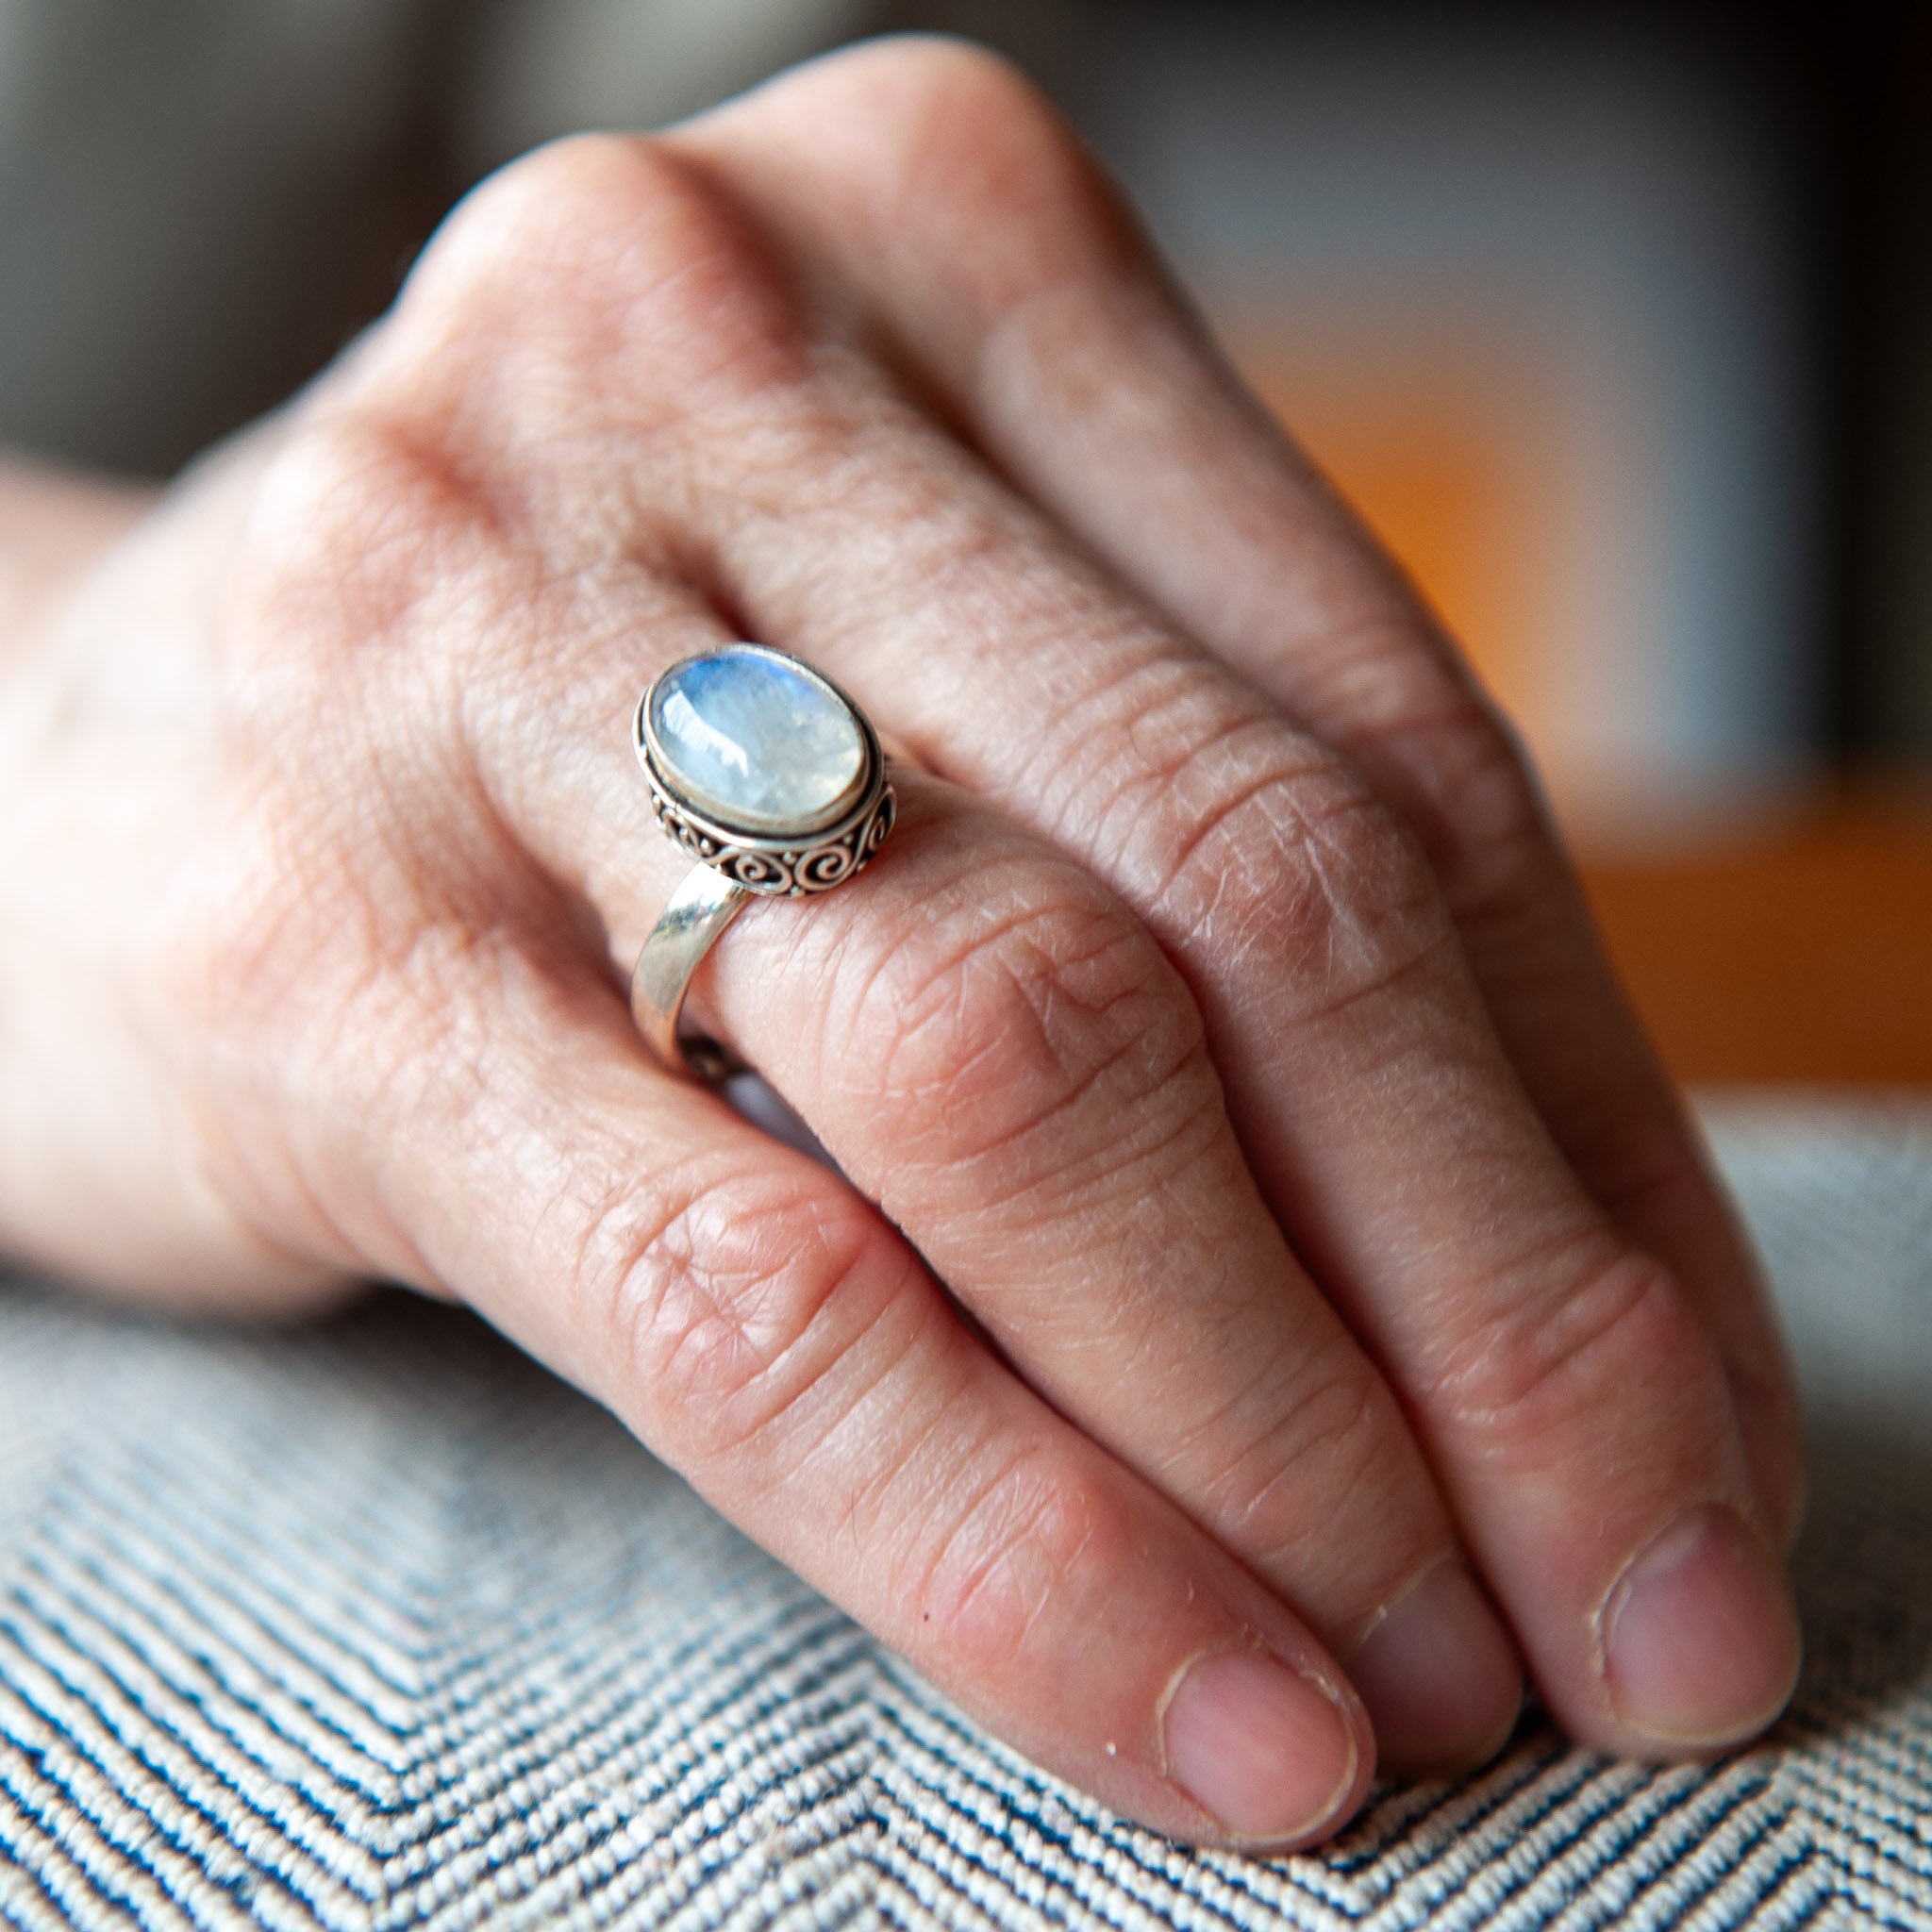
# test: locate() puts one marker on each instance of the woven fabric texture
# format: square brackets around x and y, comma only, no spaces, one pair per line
[375,1626]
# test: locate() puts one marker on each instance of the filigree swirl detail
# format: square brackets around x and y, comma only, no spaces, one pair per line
[792,871]
[757,872]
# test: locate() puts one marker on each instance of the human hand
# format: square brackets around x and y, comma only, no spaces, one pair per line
[1222,1027]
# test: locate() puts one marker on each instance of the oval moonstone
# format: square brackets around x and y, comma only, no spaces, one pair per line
[752,739]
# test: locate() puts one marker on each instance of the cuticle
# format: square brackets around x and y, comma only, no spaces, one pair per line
[1400,1596]
[1600,1618]
[1252,1647]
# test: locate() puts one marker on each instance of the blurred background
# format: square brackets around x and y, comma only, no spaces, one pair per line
[1616,321]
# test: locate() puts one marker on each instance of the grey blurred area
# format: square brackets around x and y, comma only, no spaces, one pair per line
[200,199]
[1616,316]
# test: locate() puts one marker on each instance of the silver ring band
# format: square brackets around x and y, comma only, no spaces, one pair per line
[776,783]
[697,913]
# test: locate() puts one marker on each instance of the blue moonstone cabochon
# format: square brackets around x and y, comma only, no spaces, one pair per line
[752,738]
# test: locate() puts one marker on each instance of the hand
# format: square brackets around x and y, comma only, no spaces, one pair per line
[1222,1029]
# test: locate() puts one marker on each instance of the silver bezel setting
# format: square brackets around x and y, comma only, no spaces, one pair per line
[786,863]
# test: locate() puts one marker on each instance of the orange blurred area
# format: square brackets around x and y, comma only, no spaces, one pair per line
[1798,951]
[1790,944]
[1442,462]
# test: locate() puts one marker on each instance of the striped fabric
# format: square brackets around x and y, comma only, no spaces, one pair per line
[376,1625]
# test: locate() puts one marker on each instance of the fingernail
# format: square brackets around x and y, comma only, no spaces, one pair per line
[1269,1752]
[1440,1677]
[1701,1640]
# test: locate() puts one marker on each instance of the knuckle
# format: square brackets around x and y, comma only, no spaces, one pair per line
[936,74]
[588,181]
[1476,806]
[1012,1555]
[970,140]
[1528,1383]
[1464,781]
[603,265]
[354,527]
[1285,855]
[554,206]
[734,1303]
[1037,1031]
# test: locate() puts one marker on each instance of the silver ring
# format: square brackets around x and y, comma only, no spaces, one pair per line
[776,783]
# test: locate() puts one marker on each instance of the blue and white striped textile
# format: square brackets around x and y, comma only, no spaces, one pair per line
[375,1626]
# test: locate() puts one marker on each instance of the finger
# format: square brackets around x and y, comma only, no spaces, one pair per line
[770,1337]
[1031,1103]
[1569,1395]
[1016,283]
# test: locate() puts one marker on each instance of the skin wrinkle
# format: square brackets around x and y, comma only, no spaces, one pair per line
[1049,1018]
[1032,1511]
[1010,1146]
[1027,980]
[1414,1331]
[1071,775]
[1108,700]
[711,1307]
[899,1004]
[1324,1429]
[871,995]
[1511,1381]
[1196,830]
[825,190]
[909,1486]
[1482,876]
[1124,1170]
[1489,845]
[962,527]
[1143,1235]
[1283,1552]
[1004,1219]
[1289,1367]
[988,1475]
[828,1451]
[1732,1304]
[962,290]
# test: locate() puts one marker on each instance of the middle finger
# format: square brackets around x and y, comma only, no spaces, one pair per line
[1570,1397]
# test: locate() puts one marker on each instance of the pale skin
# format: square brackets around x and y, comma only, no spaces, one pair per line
[1354,1323]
